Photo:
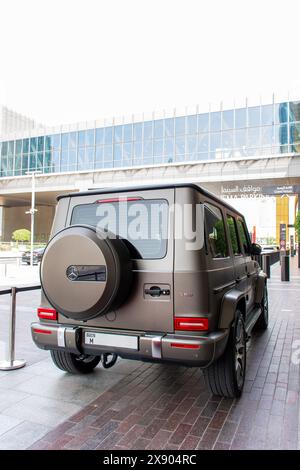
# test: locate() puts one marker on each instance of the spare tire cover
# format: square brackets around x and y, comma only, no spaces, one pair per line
[84,273]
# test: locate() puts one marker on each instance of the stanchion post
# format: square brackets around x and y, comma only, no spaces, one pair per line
[285,268]
[267,265]
[12,363]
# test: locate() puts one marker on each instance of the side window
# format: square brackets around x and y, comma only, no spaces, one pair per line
[215,232]
[233,235]
[243,235]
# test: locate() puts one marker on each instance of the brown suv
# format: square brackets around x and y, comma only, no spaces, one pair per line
[162,273]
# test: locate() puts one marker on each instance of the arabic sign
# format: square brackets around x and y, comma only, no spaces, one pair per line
[262,190]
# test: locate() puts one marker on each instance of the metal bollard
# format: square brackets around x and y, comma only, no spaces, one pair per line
[285,268]
[267,266]
[12,363]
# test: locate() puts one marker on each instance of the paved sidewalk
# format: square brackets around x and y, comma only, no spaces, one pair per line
[136,405]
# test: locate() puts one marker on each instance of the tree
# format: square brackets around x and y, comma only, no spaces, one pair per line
[21,235]
[297,225]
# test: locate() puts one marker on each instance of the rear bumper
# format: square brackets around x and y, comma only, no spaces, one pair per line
[184,349]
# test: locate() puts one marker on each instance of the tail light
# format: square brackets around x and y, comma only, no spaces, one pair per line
[191,324]
[185,345]
[47,313]
[44,332]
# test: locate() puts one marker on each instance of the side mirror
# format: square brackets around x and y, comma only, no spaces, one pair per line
[255,249]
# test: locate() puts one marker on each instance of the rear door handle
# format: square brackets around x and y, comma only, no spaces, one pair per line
[155,291]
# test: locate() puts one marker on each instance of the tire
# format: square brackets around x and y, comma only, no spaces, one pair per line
[263,320]
[74,364]
[223,377]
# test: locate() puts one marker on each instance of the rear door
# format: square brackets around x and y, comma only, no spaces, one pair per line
[240,266]
[250,263]
[145,220]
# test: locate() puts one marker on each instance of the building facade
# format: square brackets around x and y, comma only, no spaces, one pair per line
[266,129]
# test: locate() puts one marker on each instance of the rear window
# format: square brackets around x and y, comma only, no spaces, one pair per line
[142,224]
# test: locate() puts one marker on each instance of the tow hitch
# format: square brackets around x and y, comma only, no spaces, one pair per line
[108,363]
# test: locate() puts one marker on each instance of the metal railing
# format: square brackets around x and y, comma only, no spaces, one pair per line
[12,363]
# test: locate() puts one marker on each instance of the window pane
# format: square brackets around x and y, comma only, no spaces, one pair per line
[158,129]
[191,144]
[18,146]
[11,148]
[254,116]
[127,133]
[81,139]
[215,141]
[64,160]
[127,153]
[41,144]
[254,137]
[180,145]
[118,134]
[89,157]
[240,118]
[138,131]
[99,157]
[99,136]
[281,112]
[180,125]
[192,124]
[107,153]
[203,122]
[169,147]
[281,134]
[267,136]
[148,130]
[227,119]
[215,121]
[240,138]
[118,152]
[169,127]
[233,235]
[72,139]
[267,117]
[32,161]
[90,137]
[55,141]
[149,243]
[203,141]
[244,237]
[227,139]
[33,144]
[294,134]
[215,232]
[25,146]
[81,158]
[158,147]
[108,133]
[138,151]
[72,159]
[65,141]
[147,149]
[295,111]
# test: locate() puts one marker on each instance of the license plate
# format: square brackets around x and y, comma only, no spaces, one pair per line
[111,340]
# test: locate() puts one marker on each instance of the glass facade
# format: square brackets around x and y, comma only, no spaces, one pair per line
[232,133]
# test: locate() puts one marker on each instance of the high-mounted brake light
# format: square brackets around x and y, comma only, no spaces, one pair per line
[118,199]
[191,324]
[47,313]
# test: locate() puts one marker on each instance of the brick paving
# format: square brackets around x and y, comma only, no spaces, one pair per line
[168,407]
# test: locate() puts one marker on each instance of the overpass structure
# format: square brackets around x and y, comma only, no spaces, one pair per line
[250,151]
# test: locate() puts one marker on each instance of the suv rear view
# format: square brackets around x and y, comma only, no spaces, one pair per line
[151,273]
